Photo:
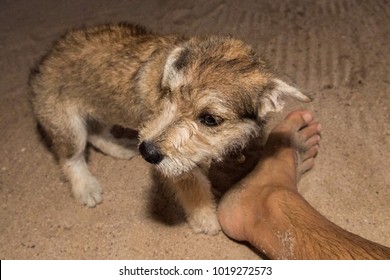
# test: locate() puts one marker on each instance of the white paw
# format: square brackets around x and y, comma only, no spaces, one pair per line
[204,221]
[88,192]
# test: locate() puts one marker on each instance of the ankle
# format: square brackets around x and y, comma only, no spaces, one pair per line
[266,230]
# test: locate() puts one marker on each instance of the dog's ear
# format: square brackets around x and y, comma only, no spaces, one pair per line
[273,98]
[174,68]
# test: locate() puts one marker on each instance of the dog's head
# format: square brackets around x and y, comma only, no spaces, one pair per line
[215,96]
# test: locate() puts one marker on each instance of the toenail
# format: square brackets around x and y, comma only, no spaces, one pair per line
[319,128]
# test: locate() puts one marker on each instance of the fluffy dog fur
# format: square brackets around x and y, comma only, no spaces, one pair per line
[193,101]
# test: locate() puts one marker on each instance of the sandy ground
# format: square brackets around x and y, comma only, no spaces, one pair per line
[339,50]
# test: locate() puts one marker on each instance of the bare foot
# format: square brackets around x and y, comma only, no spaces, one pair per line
[266,210]
[289,152]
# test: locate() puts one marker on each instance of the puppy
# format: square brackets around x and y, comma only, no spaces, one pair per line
[192,100]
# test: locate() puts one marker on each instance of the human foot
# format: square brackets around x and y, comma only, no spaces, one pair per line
[289,152]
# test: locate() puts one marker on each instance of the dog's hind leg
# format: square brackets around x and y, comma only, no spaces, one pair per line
[122,148]
[68,132]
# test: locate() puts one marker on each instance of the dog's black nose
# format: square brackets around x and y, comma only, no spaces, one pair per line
[150,152]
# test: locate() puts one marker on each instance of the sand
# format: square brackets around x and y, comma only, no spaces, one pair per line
[338,50]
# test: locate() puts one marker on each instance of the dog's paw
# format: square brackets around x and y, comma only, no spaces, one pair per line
[88,192]
[204,221]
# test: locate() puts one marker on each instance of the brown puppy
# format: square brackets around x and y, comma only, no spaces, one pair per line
[192,100]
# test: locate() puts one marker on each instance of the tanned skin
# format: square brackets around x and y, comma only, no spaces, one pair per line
[266,209]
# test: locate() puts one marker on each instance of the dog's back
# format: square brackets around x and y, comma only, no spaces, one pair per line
[95,65]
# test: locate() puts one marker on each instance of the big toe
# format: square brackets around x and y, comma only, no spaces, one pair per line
[285,133]
[296,120]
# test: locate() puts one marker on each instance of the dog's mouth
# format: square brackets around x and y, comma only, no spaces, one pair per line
[169,166]
[173,168]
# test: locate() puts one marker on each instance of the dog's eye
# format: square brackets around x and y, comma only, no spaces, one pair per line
[210,120]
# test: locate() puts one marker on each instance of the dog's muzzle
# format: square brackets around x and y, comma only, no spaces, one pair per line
[150,152]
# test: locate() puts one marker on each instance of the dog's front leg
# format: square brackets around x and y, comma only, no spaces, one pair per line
[193,191]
